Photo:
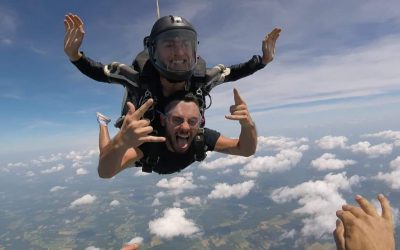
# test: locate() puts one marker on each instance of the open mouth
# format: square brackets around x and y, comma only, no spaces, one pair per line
[182,141]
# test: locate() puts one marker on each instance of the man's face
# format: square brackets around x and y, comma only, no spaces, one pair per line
[176,52]
[181,125]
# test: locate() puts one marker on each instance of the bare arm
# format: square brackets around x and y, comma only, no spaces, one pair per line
[247,143]
[123,150]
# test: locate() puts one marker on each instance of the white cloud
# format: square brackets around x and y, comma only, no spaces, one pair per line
[282,161]
[177,184]
[223,162]
[394,136]
[92,248]
[79,164]
[136,240]
[17,164]
[30,174]
[319,199]
[278,143]
[374,151]
[392,179]
[81,171]
[192,200]
[223,190]
[57,188]
[139,172]
[114,203]
[79,156]
[331,142]
[87,199]
[328,161]
[42,159]
[54,169]
[288,234]
[156,202]
[202,178]
[172,224]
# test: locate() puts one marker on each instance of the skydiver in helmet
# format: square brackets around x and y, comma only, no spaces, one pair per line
[172,65]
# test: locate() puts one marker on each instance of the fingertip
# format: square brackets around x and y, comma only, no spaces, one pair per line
[358,197]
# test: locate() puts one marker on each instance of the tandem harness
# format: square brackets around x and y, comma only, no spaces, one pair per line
[139,89]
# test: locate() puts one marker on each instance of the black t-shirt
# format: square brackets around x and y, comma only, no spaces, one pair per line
[170,162]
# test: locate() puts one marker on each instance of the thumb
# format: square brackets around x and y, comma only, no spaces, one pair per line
[238,99]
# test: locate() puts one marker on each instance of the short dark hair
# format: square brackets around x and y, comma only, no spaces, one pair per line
[180,96]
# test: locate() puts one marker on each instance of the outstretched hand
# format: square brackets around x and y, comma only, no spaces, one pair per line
[136,130]
[268,45]
[239,111]
[363,228]
[74,33]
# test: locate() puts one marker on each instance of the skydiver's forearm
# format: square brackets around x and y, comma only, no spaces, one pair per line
[242,70]
[247,144]
[111,160]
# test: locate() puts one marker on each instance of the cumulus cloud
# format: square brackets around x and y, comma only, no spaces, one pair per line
[328,161]
[17,164]
[57,188]
[81,171]
[223,162]
[374,151]
[87,199]
[331,142]
[49,159]
[288,234]
[394,136]
[223,190]
[136,240]
[79,156]
[140,173]
[392,179]
[278,143]
[92,248]
[114,203]
[156,202]
[282,161]
[319,199]
[54,169]
[177,184]
[83,158]
[192,200]
[202,178]
[173,223]
[30,174]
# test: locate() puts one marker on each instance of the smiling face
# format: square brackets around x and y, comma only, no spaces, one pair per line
[181,123]
[175,50]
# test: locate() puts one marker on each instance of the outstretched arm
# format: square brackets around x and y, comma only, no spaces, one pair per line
[256,63]
[123,150]
[247,143]
[114,72]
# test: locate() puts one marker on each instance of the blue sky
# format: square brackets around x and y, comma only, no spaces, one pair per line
[335,71]
[326,110]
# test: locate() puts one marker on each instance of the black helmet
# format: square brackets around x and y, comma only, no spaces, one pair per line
[172,48]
